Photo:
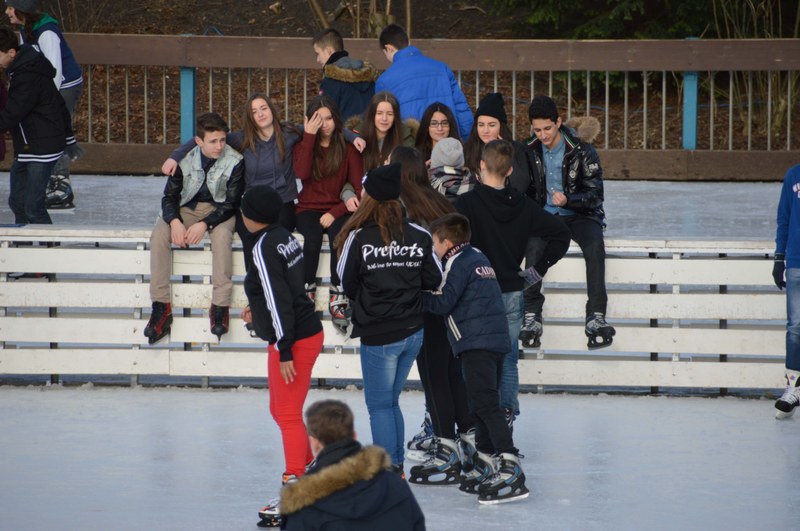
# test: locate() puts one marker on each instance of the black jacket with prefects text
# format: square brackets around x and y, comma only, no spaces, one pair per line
[385,282]
[502,221]
[275,288]
[350,488]
[581,174]
[228,185]
[35,112]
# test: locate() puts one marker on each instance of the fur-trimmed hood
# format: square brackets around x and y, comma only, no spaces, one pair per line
[586,128]
[311,488]
[350,70]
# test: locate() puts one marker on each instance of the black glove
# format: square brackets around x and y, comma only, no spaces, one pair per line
[778,270]
[74,151]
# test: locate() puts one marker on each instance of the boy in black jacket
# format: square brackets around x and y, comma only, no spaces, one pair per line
[348,486]
[502,220]
[478,331]
[39,123]
[281,314]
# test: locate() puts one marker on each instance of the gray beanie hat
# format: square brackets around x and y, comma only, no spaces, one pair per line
[447,152]
[26,6]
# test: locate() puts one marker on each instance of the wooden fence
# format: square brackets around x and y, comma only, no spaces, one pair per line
[670,110]
[688,313]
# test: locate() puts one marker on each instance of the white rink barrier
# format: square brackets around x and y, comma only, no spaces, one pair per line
[688,313]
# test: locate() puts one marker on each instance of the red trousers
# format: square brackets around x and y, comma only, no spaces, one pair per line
[286,401]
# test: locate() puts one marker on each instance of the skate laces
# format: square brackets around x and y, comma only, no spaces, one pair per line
[529,321]
[791,395]
[597,322]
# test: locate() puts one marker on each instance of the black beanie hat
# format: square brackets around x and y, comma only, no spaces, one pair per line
[383,183]
[492,105]
[262,204]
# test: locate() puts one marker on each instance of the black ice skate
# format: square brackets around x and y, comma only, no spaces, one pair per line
[160,322]
[600,333]
[467,448]
[507,484]
[219,317]
[482,470]
[420,447]
[270,514]
[531,332]
[444,468]
[787,404]
[59,195]
[339,307]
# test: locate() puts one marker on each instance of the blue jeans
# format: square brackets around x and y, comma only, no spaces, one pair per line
[793,319]
[385,369]
[28,189]
[509,383]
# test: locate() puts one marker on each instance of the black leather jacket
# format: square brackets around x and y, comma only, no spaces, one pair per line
[582,175]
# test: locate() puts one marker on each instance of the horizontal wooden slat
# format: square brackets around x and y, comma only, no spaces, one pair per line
[460,54]
[84,361]
[74,261]
[651,374]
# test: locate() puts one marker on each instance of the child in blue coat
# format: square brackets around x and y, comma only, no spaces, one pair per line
[478,331]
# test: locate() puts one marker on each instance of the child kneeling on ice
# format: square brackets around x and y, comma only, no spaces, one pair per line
[478,333]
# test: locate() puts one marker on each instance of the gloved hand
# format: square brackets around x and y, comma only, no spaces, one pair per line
[74,151]
[778,270]
[531,276]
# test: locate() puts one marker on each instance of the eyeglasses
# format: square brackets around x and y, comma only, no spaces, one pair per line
[436,125]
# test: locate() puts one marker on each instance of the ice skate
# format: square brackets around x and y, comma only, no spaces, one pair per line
[160,322]
[270,514]
[444,468]
[482,470]
[59,195]
[600,333]
[424,438]
[466,444]
[339,308]
[531,332]
[507,484]
[219,317]
[785,406]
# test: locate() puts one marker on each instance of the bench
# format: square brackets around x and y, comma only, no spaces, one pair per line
[688,313]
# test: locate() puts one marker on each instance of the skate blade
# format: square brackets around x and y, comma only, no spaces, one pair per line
[154,340]
[504,500]
[782,415]
[598,346]
[426,480]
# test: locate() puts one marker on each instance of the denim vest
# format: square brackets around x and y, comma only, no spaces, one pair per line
[217,178]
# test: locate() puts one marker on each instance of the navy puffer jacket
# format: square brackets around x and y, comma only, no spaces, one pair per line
[471,300]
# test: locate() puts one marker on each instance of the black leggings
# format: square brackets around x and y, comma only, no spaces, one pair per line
[440,373]
[308,225]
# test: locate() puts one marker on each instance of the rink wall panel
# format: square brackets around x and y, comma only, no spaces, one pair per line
[688,313]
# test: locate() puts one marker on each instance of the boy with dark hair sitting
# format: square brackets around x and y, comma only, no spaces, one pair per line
[478,332]
[350,82]
[348,487]
[201,196]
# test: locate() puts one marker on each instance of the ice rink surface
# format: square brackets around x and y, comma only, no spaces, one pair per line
[164,458]
[173,459]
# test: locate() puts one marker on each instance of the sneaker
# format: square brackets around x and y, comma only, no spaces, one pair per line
[160,322]
[311,291]
[59,195]
[398,469]
[531,332]
[507,484]
[788,402]
[270,514]
[339,307]
[219,317]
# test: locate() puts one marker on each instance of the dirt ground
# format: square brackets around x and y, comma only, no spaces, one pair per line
[287,18]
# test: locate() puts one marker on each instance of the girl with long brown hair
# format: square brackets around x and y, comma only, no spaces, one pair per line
[385,261]
[437,123]
[324,162]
